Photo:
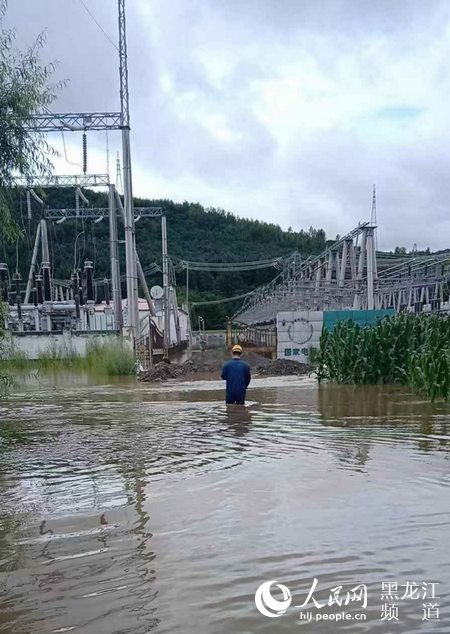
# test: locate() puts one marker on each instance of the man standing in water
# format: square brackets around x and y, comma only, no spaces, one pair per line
[237,375]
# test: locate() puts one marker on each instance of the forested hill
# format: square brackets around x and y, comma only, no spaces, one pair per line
[194,233]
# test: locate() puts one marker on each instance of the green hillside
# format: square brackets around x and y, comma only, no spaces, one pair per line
[194,233]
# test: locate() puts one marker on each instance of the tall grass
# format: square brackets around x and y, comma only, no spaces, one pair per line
[54,355]
[112,359]
[105,358]
[6,381]
[408,349]
[17,359]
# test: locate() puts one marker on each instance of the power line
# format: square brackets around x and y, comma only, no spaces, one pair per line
[65,152]
[229,266]
[222,301]
[99,25]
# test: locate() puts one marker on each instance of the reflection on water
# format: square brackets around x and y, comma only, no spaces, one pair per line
[238,419]
[137,508]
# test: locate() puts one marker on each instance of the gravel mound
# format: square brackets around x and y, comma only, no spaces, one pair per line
[163,371]
[283,367]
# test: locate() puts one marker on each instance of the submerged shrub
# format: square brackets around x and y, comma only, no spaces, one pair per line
[11,431]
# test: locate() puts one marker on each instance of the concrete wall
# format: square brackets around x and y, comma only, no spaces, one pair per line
[297,332]
[33,345]
[360,317]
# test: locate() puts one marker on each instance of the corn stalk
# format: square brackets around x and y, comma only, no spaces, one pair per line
[404,349]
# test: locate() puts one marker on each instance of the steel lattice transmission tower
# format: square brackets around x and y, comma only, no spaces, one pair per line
[123,68]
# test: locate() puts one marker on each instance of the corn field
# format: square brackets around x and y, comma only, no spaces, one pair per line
[406,349]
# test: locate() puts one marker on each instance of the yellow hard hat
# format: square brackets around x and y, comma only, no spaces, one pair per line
[236,348]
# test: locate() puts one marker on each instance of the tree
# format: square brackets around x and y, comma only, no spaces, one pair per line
[24,90]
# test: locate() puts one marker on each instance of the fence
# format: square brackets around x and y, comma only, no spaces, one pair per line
[252,336]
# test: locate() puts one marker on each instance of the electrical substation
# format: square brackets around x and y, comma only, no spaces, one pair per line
[49,307]
[351,274]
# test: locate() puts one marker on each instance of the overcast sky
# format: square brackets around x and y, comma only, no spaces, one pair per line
[282,110]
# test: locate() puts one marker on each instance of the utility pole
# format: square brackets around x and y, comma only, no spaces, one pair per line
[176,318]
[166,298]
[130,237]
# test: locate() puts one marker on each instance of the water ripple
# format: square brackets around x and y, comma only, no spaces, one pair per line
[133,508]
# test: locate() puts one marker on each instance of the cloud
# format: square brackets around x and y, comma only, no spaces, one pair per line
[284,111]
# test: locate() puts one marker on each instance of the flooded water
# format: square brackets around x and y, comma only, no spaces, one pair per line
[130,508]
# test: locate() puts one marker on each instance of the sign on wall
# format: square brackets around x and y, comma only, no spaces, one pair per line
[297,332]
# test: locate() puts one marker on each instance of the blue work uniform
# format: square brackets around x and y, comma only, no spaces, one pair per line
[237,375]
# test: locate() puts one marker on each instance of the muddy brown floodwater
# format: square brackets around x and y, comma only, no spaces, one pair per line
[132,508]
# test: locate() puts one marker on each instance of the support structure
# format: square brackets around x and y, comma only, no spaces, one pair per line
[166,296]
[75,121]
[44,241]
[176,318]
[52,122]
[370,247]
[47,121]
[343,276]
[144,286]
[114,257]
[33,264]
[130,238]
[351,274]
[47,182]
[94,213]
[142,212]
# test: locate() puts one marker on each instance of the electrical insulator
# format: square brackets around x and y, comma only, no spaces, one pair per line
[106,290]
[17,278]
[39,289]
[84,153]
[76,293]
[89,280]
[47,288]
[81,290]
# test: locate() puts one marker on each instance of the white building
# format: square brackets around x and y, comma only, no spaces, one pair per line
[103,320]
